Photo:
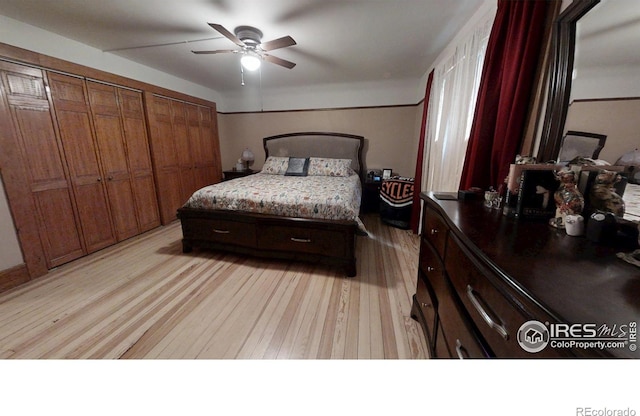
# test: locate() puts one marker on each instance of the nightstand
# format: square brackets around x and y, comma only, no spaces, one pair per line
[370,196]
[232,174]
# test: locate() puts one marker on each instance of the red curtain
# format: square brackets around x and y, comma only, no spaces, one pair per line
[417,181]
[508,75]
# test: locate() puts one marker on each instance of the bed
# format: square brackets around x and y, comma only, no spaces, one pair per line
[245,215]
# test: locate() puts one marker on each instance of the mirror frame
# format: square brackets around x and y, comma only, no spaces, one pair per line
[560,75]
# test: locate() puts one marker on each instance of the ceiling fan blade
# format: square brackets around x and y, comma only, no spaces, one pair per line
[214,52]
[278,61]
[278,43]
[233,38]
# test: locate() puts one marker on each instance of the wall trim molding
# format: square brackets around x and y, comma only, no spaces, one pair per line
[13,277]
[322,109]
[586,100]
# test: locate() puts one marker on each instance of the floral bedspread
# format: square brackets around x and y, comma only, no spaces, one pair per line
[323,197]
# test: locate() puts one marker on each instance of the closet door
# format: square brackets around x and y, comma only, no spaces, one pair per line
[183,148]
[111,149]
[195,145]
[139,158]
[34,172]
[76,131]
[163,154]
[208,160]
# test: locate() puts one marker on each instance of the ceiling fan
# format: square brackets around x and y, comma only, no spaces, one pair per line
[253,50]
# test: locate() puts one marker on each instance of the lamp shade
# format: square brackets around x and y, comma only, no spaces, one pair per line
[250,62]
[247,155]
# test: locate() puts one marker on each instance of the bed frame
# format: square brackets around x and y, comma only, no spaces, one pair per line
[326,241]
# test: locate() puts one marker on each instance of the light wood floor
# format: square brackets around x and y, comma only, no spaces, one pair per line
[144,298]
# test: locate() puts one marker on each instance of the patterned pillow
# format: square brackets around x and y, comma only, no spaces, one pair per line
[275,165]
[323,166]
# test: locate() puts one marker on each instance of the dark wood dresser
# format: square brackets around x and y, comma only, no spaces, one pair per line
[491,286]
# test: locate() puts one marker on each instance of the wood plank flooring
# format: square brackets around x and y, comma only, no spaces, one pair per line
[144,298]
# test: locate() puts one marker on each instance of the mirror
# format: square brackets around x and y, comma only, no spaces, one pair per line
[595,78]
[563,47]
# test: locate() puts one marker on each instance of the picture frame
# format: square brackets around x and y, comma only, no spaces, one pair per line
[386,173]
[535,196]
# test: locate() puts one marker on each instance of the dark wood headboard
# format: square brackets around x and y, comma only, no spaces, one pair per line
[317,144]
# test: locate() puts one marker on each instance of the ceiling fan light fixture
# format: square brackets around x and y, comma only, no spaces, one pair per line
[250,62]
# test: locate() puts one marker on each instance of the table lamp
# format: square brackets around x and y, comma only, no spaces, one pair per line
[247,158]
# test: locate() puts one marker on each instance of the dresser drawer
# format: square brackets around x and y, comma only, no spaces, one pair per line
[302,240]
[425,299]
[430,262]
[495,312]
[434,230]
[221,231]
[461,338]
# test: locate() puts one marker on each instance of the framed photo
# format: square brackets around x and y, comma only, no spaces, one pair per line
[535,198]
[386,173]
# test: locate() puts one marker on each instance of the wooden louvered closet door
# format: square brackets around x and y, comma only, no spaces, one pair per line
[165,160]
[111,149]
[204,144]
[139,158]
[183,148]
[76,131]
[34,171]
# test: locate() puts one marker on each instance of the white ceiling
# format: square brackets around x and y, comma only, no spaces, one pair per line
[338,41]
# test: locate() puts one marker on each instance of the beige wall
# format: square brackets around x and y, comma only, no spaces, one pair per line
[391,133]
[618,119]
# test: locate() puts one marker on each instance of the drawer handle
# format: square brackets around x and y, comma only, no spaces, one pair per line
[434,231]
[430,269]
[221,231]
[487,318]
[301,240]
[459,349]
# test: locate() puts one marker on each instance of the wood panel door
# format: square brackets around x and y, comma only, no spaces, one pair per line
[183,148]
[139,158]
[210,144]
[34,171]
[198,156]
[111,149]
[164,157]
[76,132]
[204,145]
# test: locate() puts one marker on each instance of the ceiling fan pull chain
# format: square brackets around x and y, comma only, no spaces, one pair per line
[261,96]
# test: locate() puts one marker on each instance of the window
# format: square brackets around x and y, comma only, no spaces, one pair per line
[454,91]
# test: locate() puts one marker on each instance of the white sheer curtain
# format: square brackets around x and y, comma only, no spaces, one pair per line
[451,106]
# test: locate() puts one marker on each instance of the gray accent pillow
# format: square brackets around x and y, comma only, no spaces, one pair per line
[298,166]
